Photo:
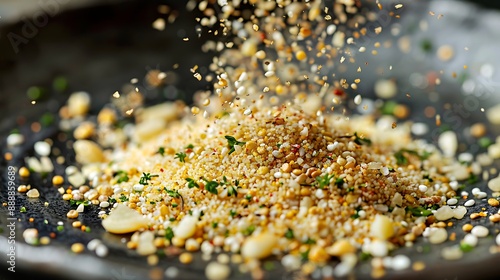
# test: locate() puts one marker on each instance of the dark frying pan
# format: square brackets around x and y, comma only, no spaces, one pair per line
[100,48]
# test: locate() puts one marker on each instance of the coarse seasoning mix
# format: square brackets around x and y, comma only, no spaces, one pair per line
[276,181]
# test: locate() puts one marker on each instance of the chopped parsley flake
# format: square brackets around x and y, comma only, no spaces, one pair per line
[181,156]
[121,176]
[231,141]
[324,181]
[169,234]
[289,234]
[360,141]
[192,183]
[211,186]
[146,177]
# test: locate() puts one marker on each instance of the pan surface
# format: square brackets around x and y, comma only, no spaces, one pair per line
[99,49]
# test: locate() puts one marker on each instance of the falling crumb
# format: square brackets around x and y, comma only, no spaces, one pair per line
[357,99]
[159,24]
[445,53]
[438,120]
[116,94]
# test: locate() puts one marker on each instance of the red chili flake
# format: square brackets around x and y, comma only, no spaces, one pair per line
[52,235]
[161,170]
[338,92]
[295,148]
[262,36]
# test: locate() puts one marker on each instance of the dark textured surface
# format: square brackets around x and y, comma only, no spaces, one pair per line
[98,50]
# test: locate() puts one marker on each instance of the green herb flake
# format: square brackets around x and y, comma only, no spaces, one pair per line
[428,177]
[169,233]
[465,247]
[304,255]
[289,234]
[249,230]
[232,213]
[472,179]
[426,249]
[231,141]
[339,182]
[401,158]
[215,224]
[161,151]
[355,215]
[232,191]
[121,176]
[60,228]
[192,183]
[485,142]
[47,119]
[60,84]
[419,211]
[145,178]
[324,181]
[389,107]
[364,256]
[426,45]
[23,209]
[211,186]
[35,93]
[360,141]
[123,198]
[310,241]
[181,156]
[190,146]
[269,265]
